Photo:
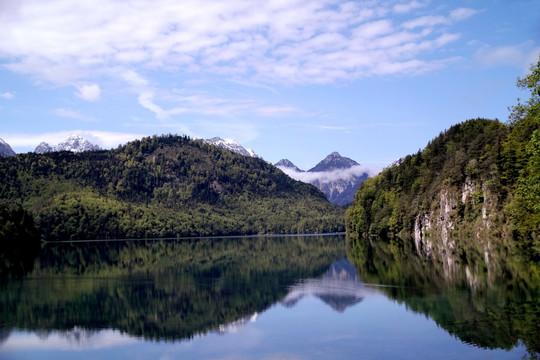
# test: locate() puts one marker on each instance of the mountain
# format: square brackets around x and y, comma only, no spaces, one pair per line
[5,149]
[43,148]
[336,176]
[168,186]
[73,143]
[332,162]
[284,163]
[474,189]
[232,145]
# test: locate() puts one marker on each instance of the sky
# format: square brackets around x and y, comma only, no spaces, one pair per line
[295,79]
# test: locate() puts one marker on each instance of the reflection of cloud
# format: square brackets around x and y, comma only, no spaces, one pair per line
[76,339]
[325,177]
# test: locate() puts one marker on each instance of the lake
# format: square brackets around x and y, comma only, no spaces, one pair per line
[276,297]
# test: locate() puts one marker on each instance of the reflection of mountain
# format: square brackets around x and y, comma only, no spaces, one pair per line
[491,302]
[237,324]
[161,290]
[339,287]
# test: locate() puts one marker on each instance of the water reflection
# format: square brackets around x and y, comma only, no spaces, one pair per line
[96,296]
[490,302]
[339,287]
[161,290]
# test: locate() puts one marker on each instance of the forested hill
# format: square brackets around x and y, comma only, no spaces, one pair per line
[476,184]
[168,186]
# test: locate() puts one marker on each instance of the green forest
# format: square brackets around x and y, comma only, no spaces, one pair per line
[478,179]
[160,186]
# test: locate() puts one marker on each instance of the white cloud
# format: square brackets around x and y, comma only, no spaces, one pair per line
[7,95]
[72,114]
[521,55]
[89,92]
[405,8]
[463,13]
[325,177]
[275,41]
[426,21]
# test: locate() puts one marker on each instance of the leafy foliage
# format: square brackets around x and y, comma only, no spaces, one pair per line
[167,186]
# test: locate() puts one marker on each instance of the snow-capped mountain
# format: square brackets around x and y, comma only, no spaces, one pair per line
[336,176]
[73,143]
[231,145]
[5,149]
[43,148]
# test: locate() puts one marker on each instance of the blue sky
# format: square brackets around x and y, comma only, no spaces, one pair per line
[296,79]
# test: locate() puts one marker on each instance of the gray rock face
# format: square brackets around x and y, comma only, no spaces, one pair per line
[5,149]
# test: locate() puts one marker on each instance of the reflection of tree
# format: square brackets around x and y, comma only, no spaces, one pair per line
[161,289]
[496,305]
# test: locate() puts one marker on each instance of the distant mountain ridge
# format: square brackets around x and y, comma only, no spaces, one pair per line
[73,143]
[336,176]
[5,149]
[167,186]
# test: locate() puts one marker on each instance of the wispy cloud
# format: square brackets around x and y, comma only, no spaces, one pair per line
[297,41]
[89,92]
[325,177]
[522,55]
[405,8]
[7,95]
[72,114]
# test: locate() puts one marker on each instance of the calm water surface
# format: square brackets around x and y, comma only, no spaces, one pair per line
[253,298]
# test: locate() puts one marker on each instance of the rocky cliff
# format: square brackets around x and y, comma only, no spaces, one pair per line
[457,197]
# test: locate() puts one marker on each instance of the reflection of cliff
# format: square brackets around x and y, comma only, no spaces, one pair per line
[161,289]
[339,287]
[491,302]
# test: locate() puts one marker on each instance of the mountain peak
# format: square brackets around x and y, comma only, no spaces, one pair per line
[231,145]
[5,149]
[334,161]
[285,163]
